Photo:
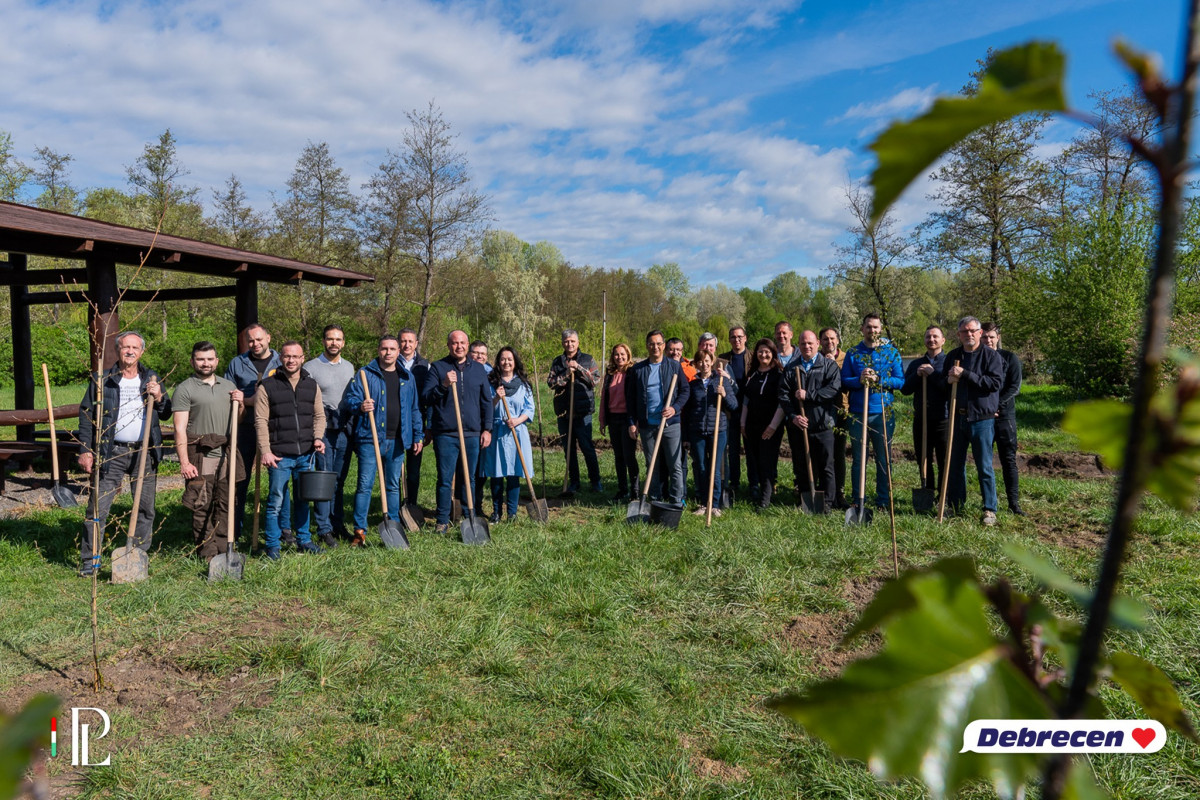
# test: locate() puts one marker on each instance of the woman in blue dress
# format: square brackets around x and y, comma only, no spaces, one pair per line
[500,461]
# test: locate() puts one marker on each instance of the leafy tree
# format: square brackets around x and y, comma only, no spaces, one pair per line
[161,201]
[677,294]
[57,192]
[386,242]
[236,223]
[13,174]
[519,271]
[760,314]
[791,295]
[719,301]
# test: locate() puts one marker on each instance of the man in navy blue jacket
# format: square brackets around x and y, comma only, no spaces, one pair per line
[646,398]
[926,371]
[475,405]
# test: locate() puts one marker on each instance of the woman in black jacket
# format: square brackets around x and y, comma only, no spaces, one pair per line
[700,416]
[761,417]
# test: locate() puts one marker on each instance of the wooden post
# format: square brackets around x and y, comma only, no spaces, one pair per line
[245,307]
[22,341]
[104,320]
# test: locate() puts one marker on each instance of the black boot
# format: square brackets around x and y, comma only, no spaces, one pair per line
[764,498]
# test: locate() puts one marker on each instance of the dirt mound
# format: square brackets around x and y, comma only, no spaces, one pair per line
[818,635]
[1074,538]
[1049,465]
[711,768]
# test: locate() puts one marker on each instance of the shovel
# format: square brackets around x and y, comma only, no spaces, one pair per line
[473,529]
[566,490]
[949,449]
[410,513]
[887,458]
[859,514]
[812,501]
[257,499]
[230,564]
[389,530]
[923,499]
[61,494]
[131,564]
[639,510]
[712,467]
[537,509]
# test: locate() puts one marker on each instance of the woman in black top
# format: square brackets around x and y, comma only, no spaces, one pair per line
[761,418]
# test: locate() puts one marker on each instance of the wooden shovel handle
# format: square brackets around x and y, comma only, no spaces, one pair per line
[520,452]
[462,450]
[232,454]
[50,414]
[362,374]
[949,450]
[712,467]
[658,439]
[141,476]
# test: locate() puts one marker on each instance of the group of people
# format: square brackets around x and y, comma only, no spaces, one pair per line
[296,414]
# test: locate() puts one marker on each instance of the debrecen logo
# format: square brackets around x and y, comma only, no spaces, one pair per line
[1064,736]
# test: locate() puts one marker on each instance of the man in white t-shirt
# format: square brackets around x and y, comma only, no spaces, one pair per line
[127,385]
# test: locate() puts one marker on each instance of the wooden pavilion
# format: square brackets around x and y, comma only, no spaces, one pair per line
[101,246]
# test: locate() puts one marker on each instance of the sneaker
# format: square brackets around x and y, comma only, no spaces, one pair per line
[493,518]
[86,572]
[271,553]
[359,539]
[309,547]
[716,512]
[701,511]
[330,540]
[442,528]
[989,518]
[288,537]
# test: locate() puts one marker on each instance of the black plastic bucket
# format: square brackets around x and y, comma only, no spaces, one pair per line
[665,514]
[316,485]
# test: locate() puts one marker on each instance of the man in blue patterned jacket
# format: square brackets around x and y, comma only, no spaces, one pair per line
[877,364]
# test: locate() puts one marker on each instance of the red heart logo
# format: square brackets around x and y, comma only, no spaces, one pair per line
[1143,736]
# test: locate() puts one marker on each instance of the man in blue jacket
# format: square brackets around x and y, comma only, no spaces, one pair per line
[646,390]
[878,365]
[247,371]
[398,427]
[475,405]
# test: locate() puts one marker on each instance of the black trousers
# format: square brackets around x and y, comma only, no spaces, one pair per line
[733,455]
[764,455]
[625,449]
[821,443]
[412,475]
[1006,445]
[839,459]
[935,450]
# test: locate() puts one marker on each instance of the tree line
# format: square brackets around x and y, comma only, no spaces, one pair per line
[1051,243]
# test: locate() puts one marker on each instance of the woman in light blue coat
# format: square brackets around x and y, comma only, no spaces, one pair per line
[501,462]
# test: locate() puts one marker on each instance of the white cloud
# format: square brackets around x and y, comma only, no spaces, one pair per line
[906,102]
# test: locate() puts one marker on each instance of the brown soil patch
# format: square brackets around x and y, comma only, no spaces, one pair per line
[818,635]
[711,768]
[1072,537]
[1049,465]
[861,591]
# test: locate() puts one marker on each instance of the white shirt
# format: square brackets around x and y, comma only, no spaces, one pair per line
[130,412]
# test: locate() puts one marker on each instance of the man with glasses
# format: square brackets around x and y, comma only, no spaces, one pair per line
[831,348]
[1006,416]
[978,372]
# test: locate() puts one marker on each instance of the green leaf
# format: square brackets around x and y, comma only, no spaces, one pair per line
[1081,783]
[1017,81]
[1151,687]
[903,711]
[20,738]
[895,596]
[1144,65]
[1102,427]
[1126,612]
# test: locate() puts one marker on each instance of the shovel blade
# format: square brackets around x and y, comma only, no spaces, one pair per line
[813,502]
[130,564]
[411,517]
[859,515]
[538,511]
[227,565]
[474,530]
[63,496]
[638,512]
[923,500]
[392,535]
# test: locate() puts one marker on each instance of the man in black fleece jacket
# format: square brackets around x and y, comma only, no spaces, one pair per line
[475,405]
[1006,416]
[979,372]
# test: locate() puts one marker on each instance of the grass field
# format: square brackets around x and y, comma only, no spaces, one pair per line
[584,658]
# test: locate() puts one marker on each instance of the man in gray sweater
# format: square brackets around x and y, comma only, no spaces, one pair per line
[332,373]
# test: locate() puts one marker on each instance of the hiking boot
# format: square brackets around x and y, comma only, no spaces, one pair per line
[442,528]
[330,540]
[1013,508]
[271,553]
[310,548]
[493,518]
[286,536]
[716,512]
[701,511]
[989,518]
[359,539]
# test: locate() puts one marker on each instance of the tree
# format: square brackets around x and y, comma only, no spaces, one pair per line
[384,226]
[676,290]
[236,222]
[1100,162]
[446,213]
[760,315]
[791,296]
[57,192]
[162,201]
[13,174]
[520,273]
[994,194]
[875,258]
[720,301]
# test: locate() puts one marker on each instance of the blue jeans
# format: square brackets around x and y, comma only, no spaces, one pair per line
[445,449]
[278,477]
[701,460]
[979,435]
[332,513]
[393,461]
[668,467]
[882,452]
[506,493]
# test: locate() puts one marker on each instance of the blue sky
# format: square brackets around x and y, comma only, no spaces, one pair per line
[717,133]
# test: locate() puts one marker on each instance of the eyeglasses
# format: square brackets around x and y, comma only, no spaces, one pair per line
[970,330]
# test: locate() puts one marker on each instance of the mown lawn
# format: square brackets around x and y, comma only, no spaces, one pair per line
[585,658]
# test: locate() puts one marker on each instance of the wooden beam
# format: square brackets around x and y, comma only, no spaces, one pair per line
[246,306]
[169,295]
[86,246]
[49,298]
[22,344]
[104,321]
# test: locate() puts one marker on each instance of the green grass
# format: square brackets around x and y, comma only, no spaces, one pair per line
[584,658]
